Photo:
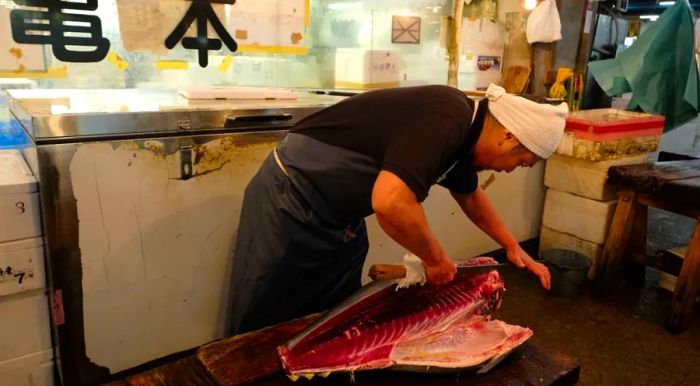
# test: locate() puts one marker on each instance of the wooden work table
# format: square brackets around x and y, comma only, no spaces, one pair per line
[251,359]
[672,186]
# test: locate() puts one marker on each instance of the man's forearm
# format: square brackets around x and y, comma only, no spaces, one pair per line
[407,225]
[480,211]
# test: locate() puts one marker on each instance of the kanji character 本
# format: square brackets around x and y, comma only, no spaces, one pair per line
[61,30]
[202,12]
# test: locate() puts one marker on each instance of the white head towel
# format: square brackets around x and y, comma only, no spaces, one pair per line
[538,126]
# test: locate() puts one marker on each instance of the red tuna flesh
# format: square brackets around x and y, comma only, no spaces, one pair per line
[443,326]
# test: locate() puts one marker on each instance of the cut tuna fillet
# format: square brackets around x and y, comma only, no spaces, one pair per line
[463,346]
[437,326]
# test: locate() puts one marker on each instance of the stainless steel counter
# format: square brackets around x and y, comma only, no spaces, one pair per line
[51,115]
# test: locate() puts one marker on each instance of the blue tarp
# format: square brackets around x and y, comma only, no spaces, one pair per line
[12,135]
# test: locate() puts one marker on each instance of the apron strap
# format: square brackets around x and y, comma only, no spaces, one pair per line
[444,175]
[279,163]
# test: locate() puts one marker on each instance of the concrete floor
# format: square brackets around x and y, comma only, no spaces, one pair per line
[619,339]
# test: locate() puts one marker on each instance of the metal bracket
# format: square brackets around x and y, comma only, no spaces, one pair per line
[185,162]
[184,124]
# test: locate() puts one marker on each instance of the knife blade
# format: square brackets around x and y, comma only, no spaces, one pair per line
[398,271]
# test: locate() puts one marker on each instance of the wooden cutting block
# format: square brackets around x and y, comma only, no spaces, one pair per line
[584,178]
[249,357]
[581,217]
[515,79]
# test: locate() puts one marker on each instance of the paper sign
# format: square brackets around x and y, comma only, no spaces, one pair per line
[405,29]
[17,57]
[269,24]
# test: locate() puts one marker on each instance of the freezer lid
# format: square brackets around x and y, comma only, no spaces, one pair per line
[15,175]
[76,114]
[236,93]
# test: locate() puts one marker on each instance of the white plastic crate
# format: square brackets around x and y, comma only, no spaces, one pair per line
[30,370]
[19,198]
[578,216]
[22,266]
[584,178]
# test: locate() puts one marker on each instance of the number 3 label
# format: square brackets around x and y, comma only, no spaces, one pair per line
[20,207]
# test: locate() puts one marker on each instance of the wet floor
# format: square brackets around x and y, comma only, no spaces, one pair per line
[619,339]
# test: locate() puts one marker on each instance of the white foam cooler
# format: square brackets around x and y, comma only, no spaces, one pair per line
[584,178]
[19,199]
[578,216]
[366,69]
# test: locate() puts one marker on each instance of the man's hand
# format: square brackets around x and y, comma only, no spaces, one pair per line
[521,259]
[441,273]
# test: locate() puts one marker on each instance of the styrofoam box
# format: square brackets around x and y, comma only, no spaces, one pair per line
[356,67]
[30,370]
[25,327]
[19,198]
[551,239]
[596,150]
[22,266]
[578,216]
[584,178]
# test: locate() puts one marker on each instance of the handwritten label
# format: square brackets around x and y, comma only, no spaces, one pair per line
[10,274]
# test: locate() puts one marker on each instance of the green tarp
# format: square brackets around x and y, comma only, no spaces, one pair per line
[659,68]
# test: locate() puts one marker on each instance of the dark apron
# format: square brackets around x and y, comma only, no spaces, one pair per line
[296,251]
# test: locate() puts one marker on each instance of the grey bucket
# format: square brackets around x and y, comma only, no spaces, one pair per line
[569,270]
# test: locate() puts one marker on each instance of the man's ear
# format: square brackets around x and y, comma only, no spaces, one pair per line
[505,136]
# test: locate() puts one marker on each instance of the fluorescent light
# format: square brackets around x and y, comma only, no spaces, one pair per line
[530,4]
[649,17]
[666,3]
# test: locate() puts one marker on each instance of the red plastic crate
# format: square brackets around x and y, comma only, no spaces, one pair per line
[606,121]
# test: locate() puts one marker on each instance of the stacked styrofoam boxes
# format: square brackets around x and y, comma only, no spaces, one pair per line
[26,355]
[579,204]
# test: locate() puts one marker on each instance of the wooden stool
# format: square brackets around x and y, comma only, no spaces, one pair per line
[672,186]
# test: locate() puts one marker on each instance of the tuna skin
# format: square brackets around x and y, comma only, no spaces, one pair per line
[365,335]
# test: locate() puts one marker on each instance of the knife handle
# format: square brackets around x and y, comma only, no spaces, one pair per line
[387,272]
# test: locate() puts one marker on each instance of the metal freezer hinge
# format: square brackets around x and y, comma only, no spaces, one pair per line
[185,161]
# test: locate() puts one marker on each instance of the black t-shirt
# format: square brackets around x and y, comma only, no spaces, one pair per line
[422,134]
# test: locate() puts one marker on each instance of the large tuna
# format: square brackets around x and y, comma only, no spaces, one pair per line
[444,327]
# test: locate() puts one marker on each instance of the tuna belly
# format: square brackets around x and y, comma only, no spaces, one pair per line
[464,345]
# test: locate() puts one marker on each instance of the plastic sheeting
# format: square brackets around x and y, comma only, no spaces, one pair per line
[659,69]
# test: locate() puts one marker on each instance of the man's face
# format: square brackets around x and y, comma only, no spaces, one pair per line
[499,150]
[509,159]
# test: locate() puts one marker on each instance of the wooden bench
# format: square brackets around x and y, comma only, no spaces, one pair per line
[672,186]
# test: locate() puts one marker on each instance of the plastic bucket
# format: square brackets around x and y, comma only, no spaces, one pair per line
[569,270]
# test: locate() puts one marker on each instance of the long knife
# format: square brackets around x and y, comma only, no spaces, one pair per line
[397,271]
